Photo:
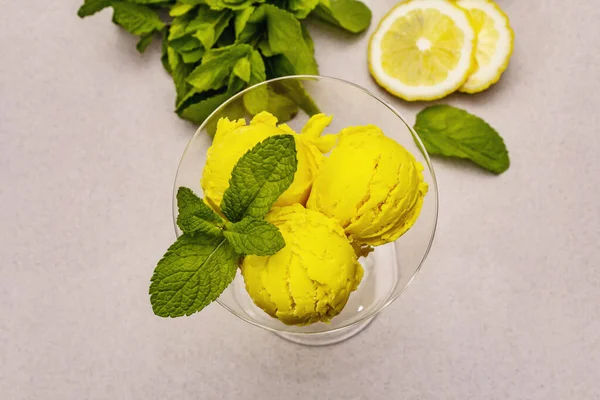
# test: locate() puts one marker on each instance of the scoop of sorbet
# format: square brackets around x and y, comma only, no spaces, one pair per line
[234,138]
[311,278]
[371,185]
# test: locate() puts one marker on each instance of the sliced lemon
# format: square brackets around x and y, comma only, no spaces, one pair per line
[423,49]
[494,43]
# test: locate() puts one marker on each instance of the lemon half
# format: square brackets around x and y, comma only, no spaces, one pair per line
[495,40]
[423,49]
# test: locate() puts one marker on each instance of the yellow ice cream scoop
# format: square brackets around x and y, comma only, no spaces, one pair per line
[371,185]
[311,278]
[234,138]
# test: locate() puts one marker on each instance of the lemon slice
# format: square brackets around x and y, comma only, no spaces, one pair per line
[423,49]
[494,43]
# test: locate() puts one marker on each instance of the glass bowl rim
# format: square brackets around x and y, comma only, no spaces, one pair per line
[433,188]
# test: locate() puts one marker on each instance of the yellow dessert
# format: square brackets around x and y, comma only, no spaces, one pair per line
[371,185]
[234,138]
[311,278]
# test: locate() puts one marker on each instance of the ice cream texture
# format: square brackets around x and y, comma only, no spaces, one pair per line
[234,138]
[311,278]
[371,185]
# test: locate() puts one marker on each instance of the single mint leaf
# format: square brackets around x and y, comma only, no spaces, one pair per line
[351,15]
[180,9]
[193,97]
[137,19]
[91,7]
[259,178]
[217,65]
[257,99]
[254,237]
[192,56]
[241,19]
[198,112]
[231,4]
[242,69]
[185,44]
[452,132]
[188,203]
[191,275]
[144,42]
[195,216]
[281,106]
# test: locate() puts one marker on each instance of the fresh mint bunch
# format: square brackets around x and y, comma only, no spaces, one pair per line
[204,259]
[213,49]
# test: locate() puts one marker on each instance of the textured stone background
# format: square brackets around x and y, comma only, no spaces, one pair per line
[506,307]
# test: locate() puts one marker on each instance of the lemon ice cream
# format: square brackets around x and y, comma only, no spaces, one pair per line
[234,138]
[371,185]
[311,278]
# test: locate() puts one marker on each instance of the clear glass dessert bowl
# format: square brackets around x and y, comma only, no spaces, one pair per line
[390,268]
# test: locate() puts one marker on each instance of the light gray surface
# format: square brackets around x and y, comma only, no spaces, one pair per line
[507,306]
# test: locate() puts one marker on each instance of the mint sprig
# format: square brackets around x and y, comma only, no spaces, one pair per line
[204,259]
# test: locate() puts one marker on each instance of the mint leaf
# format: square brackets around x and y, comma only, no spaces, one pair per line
[164,57]
[285,37]
[256,100]
[351,15]
[280,66]
[301,8]
[209,25]
[195,216]
[191,275]
[179,26]
[91,7]
[259,178]
[185,44]
[264,97]
[144,42]
[241,19]
[281,106]
[180,9]
[231,4]
[293,89]
[192,56]
[254,237]
[217,66]
[179,72]
[452,132]
[136,19]
[198,112]
[242,69]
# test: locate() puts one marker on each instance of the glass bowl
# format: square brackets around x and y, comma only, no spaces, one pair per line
[390,268]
